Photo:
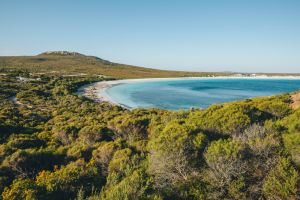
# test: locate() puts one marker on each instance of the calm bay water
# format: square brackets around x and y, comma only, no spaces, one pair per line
[198,93]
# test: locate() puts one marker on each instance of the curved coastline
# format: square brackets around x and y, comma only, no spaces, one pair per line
[98,91]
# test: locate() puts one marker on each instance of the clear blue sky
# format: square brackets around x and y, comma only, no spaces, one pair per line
[197,35]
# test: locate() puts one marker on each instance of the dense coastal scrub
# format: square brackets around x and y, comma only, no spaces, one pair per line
[57,145]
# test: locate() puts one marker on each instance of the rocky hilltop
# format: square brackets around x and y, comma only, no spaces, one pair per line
[63,53]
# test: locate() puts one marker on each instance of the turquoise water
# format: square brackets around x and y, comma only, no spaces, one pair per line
[177,94]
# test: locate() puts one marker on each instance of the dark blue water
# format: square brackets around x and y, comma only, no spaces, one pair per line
[199,93]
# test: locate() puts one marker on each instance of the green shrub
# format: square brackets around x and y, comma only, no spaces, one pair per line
[66,181]
[282,182]
[226,119]
[22,189]
[225,159]
[292,144]
[135,186]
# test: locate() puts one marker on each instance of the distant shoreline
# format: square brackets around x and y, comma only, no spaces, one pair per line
[97,91]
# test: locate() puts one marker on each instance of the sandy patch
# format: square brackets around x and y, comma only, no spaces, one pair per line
[296,100]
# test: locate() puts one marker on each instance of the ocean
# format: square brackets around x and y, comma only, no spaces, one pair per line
[175,94]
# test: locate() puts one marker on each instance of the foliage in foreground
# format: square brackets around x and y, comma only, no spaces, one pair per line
[57,145]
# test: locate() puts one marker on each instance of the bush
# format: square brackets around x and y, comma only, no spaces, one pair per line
[228,119]
[104,154]
[91,134]
[27,163]
[292,144]
[292,122]
[24,141]
[282,182]
[22,189]
[225,159]
[135,186]
[131,127]
[174,154]
[65,182]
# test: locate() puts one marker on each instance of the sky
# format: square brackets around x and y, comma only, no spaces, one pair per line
[191,35]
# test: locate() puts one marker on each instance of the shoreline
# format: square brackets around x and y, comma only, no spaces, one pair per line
[97,91]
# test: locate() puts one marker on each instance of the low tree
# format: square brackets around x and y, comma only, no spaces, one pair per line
[104,154]
[91,134]
[131,127]
[173,154]
[225,159]
[136,186]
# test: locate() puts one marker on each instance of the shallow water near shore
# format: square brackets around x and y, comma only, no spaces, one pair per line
[175,94]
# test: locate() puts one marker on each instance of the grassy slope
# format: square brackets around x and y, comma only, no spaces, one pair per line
[78,63]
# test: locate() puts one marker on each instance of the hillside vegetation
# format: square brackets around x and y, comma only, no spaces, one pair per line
[57,145]
[72,63]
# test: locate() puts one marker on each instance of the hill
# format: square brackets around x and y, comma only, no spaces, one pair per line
[73,63]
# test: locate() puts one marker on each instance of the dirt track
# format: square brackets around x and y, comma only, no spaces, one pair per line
[296,100]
